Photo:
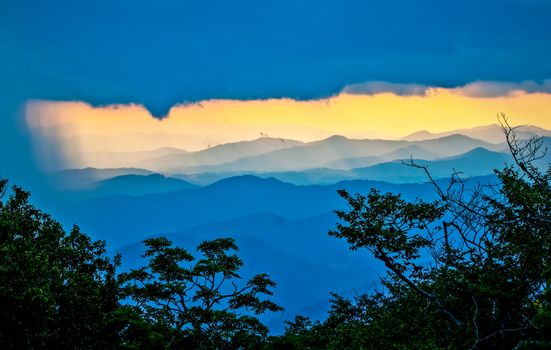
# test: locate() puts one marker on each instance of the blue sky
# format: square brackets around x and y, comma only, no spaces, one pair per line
[159,53]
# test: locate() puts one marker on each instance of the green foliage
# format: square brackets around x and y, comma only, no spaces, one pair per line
[380,321]
[198,303]
[57,290]
[470,270]
[61,290]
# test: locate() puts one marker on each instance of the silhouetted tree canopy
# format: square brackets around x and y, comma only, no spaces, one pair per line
[61,290]
[471,270]
[199,303]
[57,290]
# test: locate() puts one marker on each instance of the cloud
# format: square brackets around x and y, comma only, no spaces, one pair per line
[498,89]
[375,87]
[480,89]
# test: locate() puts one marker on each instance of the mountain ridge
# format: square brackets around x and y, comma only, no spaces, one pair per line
[317,154]
[490,133]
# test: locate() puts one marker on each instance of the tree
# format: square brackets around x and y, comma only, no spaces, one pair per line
[471,269]
[61,290]
[198,303]
[57,290]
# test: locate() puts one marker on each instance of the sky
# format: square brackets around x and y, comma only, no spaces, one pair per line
[160,54]
[87,133]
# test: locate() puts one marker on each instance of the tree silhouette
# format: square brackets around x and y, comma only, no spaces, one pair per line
[471,269]
[198,303]
[61,290]
[57,290]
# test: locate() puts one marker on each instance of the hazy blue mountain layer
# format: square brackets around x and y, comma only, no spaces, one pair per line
[122,218]
[280,228]
[299,254]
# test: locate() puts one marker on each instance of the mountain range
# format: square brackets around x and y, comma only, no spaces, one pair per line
[120,217]
[476,162]
[317,154]
[280,228]
[269,242]
[275,154]
[217,155]
[276,197]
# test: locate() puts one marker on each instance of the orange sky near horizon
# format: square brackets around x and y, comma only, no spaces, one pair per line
[82,128]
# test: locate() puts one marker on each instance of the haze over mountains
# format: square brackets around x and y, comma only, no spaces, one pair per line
[269,242]
[274,196]
[326,161]
[107,159]
[336,148]
[336,152]
[280,228]
[219,154]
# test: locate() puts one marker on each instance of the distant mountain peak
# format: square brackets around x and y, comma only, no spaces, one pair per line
[477,152]
[275,139]
[246,179]
[455,136]
[418,136]
[336,138]
[491,133]
[425,135]
[168,149]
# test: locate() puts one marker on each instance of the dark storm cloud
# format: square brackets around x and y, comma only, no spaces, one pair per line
[163,52]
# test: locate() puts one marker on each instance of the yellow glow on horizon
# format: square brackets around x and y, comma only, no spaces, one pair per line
[197,126]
